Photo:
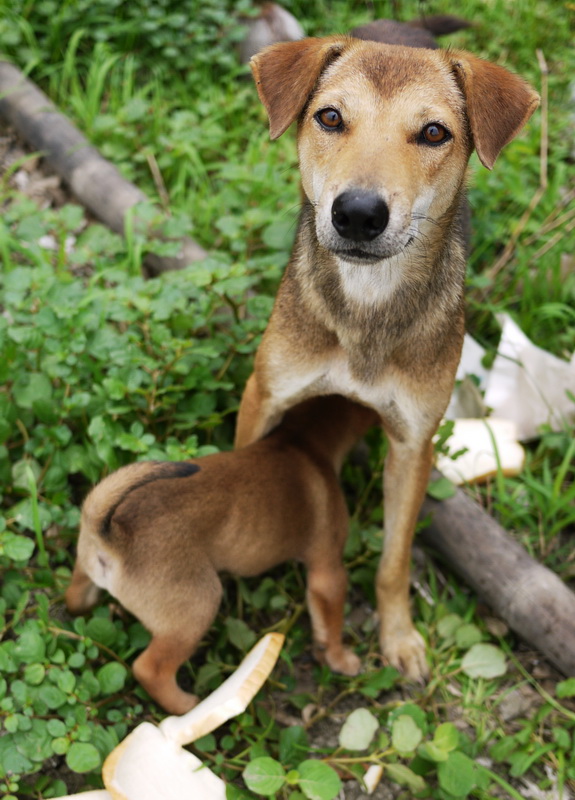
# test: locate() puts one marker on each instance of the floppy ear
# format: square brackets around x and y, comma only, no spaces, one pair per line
[286,73]
[499,103]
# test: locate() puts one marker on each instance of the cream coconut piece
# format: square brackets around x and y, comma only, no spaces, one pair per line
[490,442]
[229,699]
[151,764]
[147,766]
[372,778]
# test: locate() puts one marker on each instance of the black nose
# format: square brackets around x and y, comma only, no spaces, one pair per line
[359,215]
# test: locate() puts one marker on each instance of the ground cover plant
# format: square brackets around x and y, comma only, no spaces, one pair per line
[99,367]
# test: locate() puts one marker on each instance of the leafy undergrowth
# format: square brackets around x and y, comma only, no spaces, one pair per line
[99,367]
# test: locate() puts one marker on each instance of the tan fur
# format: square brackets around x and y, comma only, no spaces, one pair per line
[157,539]
[380,320]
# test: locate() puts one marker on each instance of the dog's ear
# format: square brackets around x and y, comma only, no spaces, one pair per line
[286,73]
[498,102]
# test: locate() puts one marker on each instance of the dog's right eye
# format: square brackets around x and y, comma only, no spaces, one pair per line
[329,119]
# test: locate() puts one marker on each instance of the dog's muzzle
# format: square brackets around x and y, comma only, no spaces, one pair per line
[359,216]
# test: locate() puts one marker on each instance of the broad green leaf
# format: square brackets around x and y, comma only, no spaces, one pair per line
[405,777]
[239,633]
[446,736]
[293,745]
[52,696]
[83,757]
[102,630]
[457,774]
[467,635]
[264,776]
[318,781]
[405,735]
[358,730]
[448,625]
[30,647]
[34,674]
[112,677]
[441,489]
[566,688]
[61,745]
[206,744]
[484,661]
[235,793]
[432,752]
[56,727]
[18,548]
[413,711]
[380,681]
[30,387]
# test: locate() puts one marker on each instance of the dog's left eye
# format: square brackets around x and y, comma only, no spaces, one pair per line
[329,118]
[434,133]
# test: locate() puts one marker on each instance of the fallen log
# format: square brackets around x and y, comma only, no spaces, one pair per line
[531,599]
[95,182]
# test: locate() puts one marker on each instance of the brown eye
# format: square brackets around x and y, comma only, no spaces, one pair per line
[434,133]
[329,118]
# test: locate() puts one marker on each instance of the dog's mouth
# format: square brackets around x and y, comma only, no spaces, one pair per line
[359,256]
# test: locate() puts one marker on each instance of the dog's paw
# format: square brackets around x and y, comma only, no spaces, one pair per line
[407,654]
[342,660]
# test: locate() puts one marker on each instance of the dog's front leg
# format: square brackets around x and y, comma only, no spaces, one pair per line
[259,413]
[405,480]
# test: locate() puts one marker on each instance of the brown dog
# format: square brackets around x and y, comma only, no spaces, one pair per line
[157,534]
[371,303]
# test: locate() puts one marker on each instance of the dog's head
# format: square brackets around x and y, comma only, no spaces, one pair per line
[385,133]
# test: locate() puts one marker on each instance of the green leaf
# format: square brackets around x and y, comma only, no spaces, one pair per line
[264,776]
[292,745]
[448,625]
[380,681]
[457,774]
[446,736]
[239,634]
[566,688]
[112,677]
[410,710]
[318,781]
[206,744]
[358,730]
[34,674]
[432,752]
[30,647]
[30,387]
[56,727]
[52,696]
[441,489]
[102,630]
[405,777]
[83,757]
[484,661]
[405,735]
[18,548]
[467,635]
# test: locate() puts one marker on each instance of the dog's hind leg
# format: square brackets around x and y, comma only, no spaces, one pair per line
[326,591]
[177,616]
[82,593]
[405,480]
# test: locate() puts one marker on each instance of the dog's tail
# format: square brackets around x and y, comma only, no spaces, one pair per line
[102,502]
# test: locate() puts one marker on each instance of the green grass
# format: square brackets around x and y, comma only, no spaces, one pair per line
[99,367]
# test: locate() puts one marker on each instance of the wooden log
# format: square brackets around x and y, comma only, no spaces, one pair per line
[531,599]
[93,179]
